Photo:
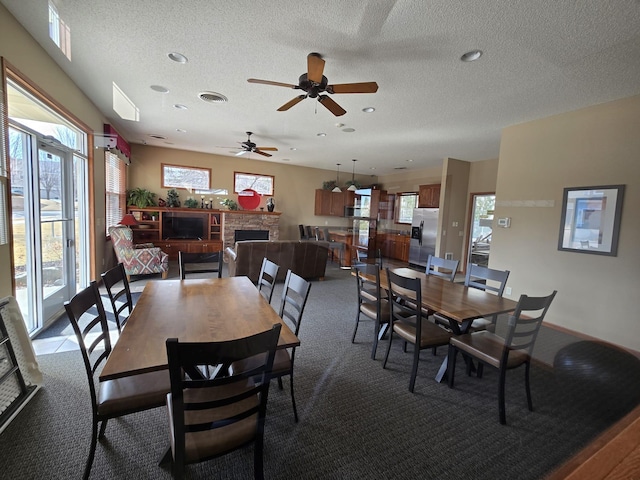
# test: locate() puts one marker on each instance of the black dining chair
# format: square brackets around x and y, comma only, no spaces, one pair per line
[213,416]
[267,278]
[120,297]
[110,398]
[210,262]
[372,302]
[512,351]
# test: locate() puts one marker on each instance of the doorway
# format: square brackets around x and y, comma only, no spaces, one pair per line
[480,228]
[49,214]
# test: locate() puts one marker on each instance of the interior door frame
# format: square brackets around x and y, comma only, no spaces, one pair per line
[469,229]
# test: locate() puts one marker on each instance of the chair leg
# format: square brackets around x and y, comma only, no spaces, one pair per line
[434,351]
[501,407]
[404,347]
[92,450]
[280,383]
[479,369]
[103,427]
[414,367]
[451,364]
[386,357]
[353,337]
[376,332]
[258,460]
[528,386]
[293,398]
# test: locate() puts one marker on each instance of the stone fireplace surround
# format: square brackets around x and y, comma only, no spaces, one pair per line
[250,220]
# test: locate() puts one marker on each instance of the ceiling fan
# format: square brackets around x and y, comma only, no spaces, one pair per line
[249,146]
[314,84]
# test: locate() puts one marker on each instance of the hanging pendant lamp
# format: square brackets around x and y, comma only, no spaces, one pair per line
[337,187]
[352,187]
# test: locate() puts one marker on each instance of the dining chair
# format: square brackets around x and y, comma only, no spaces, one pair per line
[372,302]
[267,278]
[335,248]
[303,233]
[436,265]
[407,320]
[200,259]
[110,398]
[478,277]
[505,353]
[362,258]
[212,416]
[120,297]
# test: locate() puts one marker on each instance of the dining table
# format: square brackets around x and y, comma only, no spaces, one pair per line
[458,303]
[192,310]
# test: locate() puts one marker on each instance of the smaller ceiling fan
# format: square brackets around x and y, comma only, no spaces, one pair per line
[249,146]
[314,83]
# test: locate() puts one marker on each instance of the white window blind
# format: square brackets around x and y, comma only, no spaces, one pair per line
[4,221]
[115,189]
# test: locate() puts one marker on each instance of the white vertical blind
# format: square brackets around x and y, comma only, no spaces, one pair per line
[115,189]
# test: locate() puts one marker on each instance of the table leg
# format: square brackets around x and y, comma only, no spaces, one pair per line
[457,329]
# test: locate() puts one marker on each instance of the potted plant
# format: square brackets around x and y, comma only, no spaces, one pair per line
[141,198]
[329,185]
[172,198]
[230,204]
[191,203]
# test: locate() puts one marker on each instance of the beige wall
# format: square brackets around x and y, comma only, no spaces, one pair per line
[24,54]
[600,145]
[294,187]
[453,208]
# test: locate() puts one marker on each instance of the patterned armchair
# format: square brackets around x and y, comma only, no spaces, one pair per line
[137,259]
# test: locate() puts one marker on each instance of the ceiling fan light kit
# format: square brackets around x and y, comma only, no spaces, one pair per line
[315,84]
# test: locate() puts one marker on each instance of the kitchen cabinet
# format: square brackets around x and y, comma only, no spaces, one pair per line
[394,246]
[385,205]
[429,196]
[332,204]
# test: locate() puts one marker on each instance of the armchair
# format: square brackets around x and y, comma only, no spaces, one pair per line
[136,260]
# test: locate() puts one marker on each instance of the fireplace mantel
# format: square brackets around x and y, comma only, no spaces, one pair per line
[250,220]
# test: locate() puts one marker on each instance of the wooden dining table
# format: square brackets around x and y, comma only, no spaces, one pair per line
[460,304]
[202,310]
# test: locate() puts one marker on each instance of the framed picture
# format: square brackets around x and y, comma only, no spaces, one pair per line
[591,219]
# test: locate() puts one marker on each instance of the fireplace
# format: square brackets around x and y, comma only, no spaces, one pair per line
[239,235]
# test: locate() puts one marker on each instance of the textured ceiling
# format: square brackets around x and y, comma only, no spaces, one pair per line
[541,57]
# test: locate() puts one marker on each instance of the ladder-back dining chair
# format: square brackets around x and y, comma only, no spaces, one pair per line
[267,278]
[442,267]
[210,262]
[212,416]
[506,353]
[120,297]
[372,302]
[110,398]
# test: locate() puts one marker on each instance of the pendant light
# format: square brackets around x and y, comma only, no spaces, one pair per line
[352,187]
[337,187]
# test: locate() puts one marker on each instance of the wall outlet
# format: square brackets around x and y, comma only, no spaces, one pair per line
[508,290]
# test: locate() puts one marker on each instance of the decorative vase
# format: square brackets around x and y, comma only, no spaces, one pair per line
[271,205]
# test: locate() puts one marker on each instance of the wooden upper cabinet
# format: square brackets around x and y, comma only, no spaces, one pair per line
[332,204]
[429,196]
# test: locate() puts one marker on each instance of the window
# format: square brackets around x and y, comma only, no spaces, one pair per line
[190,178]
[263,184]
[115,189]
[405,203]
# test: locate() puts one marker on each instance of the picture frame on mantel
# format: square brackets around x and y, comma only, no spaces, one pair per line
[590,220]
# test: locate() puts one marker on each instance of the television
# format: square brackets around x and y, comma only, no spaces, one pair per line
[183,227]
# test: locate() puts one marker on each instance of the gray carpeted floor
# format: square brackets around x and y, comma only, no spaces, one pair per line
[357,421]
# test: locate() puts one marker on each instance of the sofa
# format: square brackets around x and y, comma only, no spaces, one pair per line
[305,258]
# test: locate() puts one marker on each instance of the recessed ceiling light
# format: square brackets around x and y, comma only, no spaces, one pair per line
[372,168]
[179,106]
[159,137]
[339,125]
[348,130]
[409,160]
[159,89]
[293,148]
[321,134]
[178,57]
[471,56]
[368,110]
[212,97]
[180,130]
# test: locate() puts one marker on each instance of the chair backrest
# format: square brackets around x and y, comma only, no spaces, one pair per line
[477,277]
[362,258]
[111,278]
[405,298]
[369,290]
[122,240]
[312,232]
[303,233]
[294,298]
[89,321]
[233,405]
[435,265]
[214,259]
[524,323]
[326,236]
[267,278]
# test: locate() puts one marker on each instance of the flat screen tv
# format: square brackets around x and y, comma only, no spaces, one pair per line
[183,227]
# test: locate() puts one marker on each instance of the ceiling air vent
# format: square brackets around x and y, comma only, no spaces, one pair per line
[399,168]
[213,97]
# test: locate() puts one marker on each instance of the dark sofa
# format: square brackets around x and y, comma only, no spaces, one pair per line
[305,258]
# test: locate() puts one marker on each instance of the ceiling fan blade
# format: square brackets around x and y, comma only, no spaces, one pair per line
[262,153]
[291,103]
[365,87]
[269,82]
[241,152]
[331,105]
[268,149]
[315,67]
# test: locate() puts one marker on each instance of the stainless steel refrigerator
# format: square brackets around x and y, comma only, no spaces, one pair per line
[424,229]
